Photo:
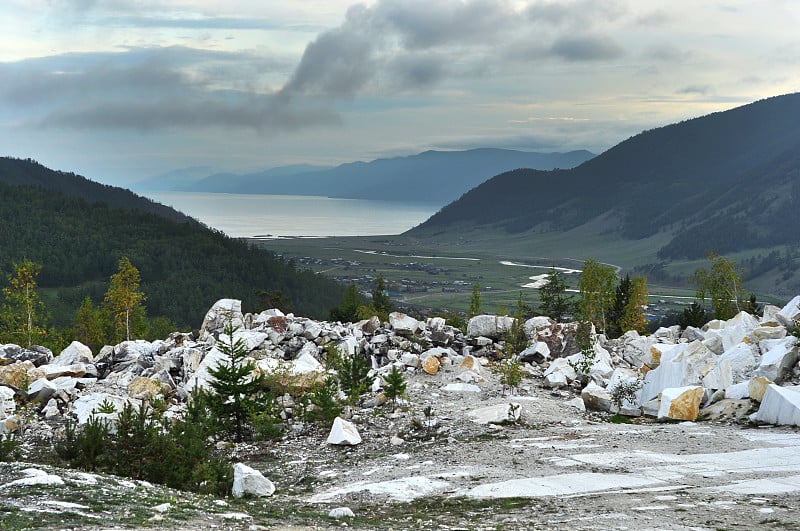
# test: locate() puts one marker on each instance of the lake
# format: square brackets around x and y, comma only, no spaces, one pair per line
[248,215]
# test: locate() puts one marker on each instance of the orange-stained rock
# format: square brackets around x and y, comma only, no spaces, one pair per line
[680,403]
[20,374]
[470,363]
[757,387]
[141,387]
[431,365]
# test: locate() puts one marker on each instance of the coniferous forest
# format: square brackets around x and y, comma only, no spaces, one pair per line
[184,265]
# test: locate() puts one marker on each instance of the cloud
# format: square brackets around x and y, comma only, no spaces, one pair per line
[143,89]
[260,115]
[580,13]
[702,90]
[587,48]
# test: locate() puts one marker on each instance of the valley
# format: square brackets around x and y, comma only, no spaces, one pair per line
[430,275]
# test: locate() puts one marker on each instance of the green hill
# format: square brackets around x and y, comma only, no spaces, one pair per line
[728,182]
[78,230]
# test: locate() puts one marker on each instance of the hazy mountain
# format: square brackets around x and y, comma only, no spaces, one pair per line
[78,229]
[727,181]
[433,176]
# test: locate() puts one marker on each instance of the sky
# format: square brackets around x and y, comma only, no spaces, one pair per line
[120,91]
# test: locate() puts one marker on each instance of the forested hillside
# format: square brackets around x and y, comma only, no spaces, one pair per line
[724,182]
[184,266]
[28,172]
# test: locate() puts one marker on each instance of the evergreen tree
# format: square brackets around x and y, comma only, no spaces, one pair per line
[514,339]
[347,311]
[695,315]
[474,302]
[123,300]
[380,297]
[554,301]
[23,314]
[633,317]
[622,295]
[596,285]
[236,386]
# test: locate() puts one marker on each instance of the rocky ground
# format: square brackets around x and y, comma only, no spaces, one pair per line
[555,467]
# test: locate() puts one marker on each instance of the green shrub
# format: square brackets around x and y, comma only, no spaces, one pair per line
[509,373]
[8,446]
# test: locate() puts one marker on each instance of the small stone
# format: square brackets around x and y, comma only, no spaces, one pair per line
[341,512]
[343,433]
[431,365]
[248,481]
[396,441]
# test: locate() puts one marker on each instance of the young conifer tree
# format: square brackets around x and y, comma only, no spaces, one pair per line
[236,386]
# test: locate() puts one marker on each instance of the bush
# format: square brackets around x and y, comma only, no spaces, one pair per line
[509,373]
[8,446]
[145,446]
[326,401]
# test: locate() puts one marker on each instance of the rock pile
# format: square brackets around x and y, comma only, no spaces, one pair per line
[674,372]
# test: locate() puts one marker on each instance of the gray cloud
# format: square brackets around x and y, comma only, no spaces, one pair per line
[260,115]
[587,48]
[577,13]
[148,88]
[338,63]
[695,89]
[666,53]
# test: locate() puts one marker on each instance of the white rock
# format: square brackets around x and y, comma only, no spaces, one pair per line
[202,379]
[738,391]
[497,414]
[7,404]
[780,406]
[341,512]
[306,364]
[343,433]
[220,314]
[559,373]
[769,332]
[250,339]
[779,356]
[33,477]
[85,406]
[247,481]
[491,326]
[410,360]
[536,353]
[403,324]
[596,397]
[76,352]
[461,388]
[41,389]
[743,360]
[681,365]
[790,312]
[577,403]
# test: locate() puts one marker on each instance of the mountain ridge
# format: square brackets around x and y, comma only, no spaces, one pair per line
[722,182]
[440,176]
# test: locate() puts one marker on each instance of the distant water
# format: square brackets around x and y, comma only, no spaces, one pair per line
[249,215]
